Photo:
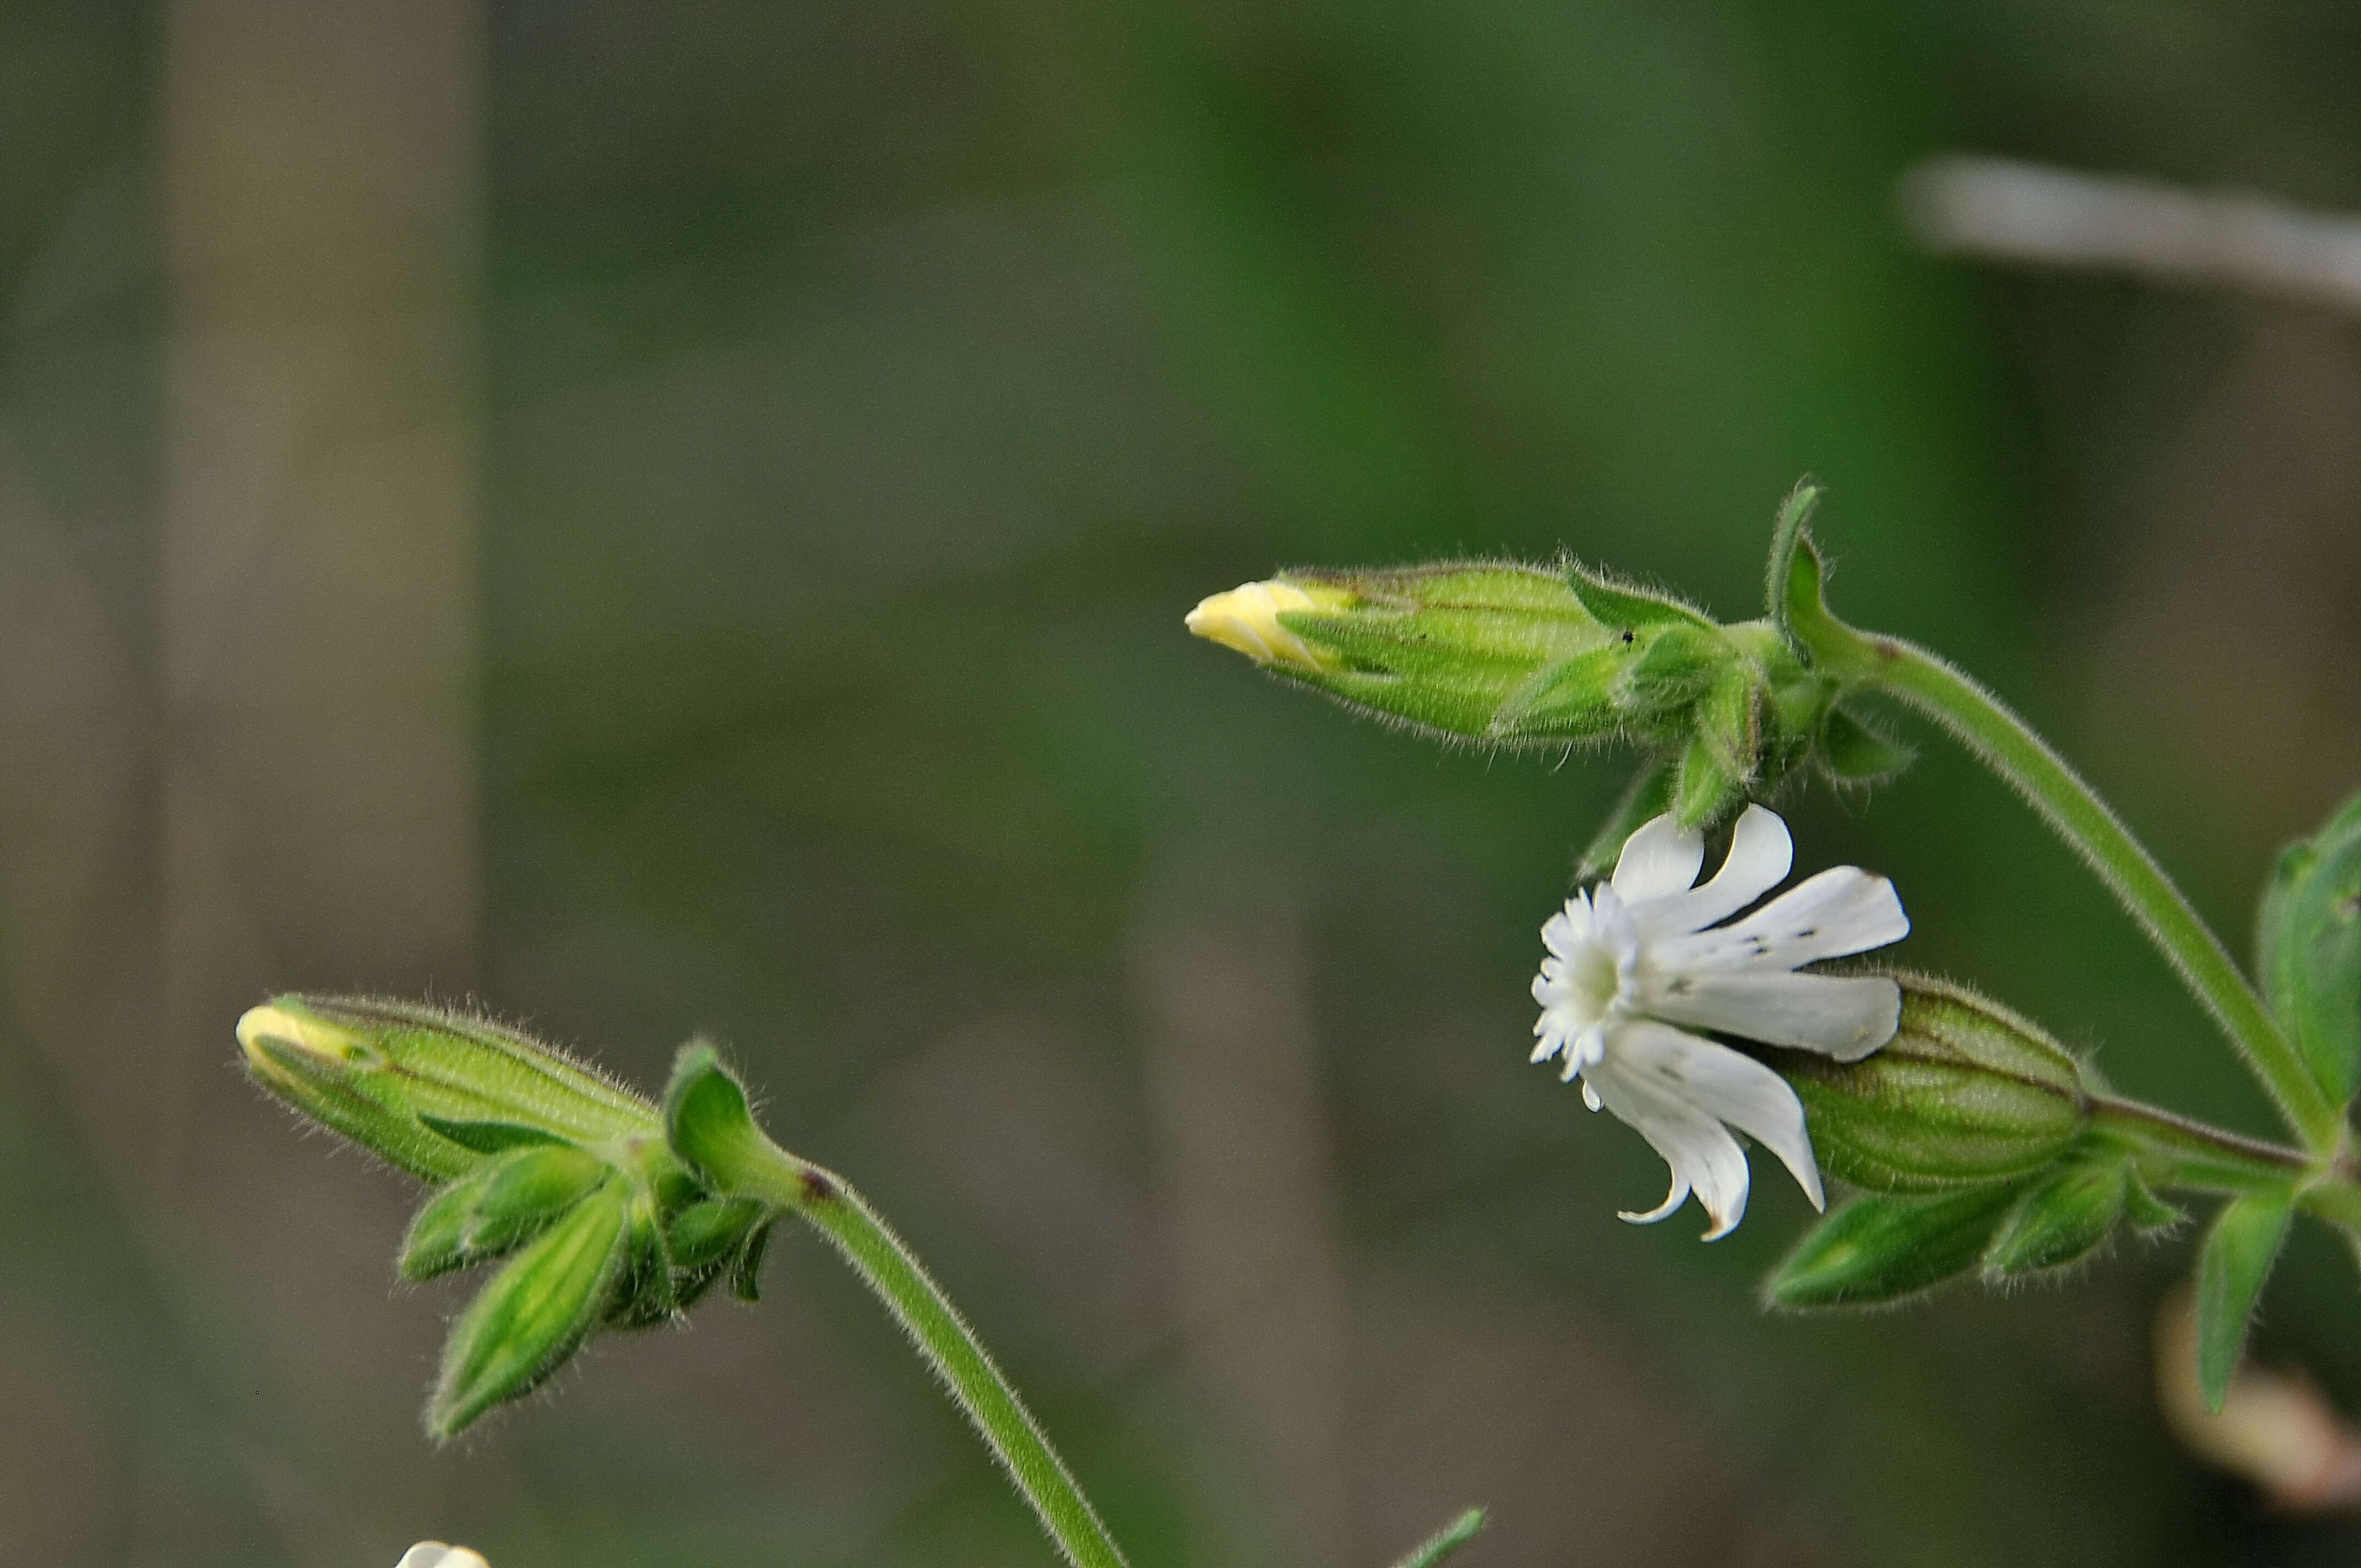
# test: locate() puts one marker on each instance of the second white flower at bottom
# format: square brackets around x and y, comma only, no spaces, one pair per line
[1637,964]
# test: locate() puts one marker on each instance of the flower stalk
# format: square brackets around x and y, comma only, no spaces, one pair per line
[713,1129]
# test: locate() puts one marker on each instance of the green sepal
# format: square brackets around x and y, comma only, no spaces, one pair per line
[2149,1214]
[1703,792]
[2062,1217]
[708,1231]
[2309,932]
[437,1239]
[337,1096]
[1671,667]
[2239,1253]
[746,1268]
[1571,699]
[1966,1093]
[1435,1548]
[644,1293]
[533,1313]
[1729,720]
[1877,1250]
[1624,606]
[1851,752]
[1793,582]
[1650,793]
[489,1137]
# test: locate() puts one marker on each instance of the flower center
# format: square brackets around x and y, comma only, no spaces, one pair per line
[1593,979]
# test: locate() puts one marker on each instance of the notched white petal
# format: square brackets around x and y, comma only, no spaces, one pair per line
[1660,858]
[1703,1158]
[1842,911]
[1731,1087]
[1760,855]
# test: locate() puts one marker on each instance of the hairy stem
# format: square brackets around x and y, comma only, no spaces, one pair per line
[2176,1151]
[946,1342]
[2009,746]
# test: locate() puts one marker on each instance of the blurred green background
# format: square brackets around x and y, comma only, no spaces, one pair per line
[675,519]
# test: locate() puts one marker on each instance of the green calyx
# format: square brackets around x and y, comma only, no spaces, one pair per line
[1976,1141]
[1966,1093]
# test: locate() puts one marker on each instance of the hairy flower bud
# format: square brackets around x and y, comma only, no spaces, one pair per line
[1965,1094]
[542,1304]
[434,1093]
[1502,654]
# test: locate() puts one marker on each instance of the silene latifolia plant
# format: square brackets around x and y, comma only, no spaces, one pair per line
[1968,1141]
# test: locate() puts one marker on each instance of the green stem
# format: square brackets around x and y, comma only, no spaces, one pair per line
[2176,1151]
[2010,748]
[946,1342]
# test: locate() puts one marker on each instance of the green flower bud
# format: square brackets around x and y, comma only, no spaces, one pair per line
[1966,1093]
[504,1205]
[1877,1250]
[436,1094]
[1476,651]
[2062,1217]
[542,1304]
[1506,655]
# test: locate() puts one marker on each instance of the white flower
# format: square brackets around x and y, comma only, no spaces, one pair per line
[1634,971]
[434,1554]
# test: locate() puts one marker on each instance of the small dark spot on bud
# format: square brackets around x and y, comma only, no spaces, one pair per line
[1628,638]
[818,1189]
[1680,986]
[1809,931]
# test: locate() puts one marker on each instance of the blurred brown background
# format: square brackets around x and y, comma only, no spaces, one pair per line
[676,518]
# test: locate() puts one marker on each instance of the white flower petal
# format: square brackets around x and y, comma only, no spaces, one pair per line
[1842,910]
[1659,860]
[1702,1156]
[1844,1016]
[1760,855]
[1729,1086]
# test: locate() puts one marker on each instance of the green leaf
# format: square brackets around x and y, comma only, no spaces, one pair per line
[2061,1219]
[2239,1252]
[1876,1250]
[1850,752]
[2310,935]
[1445,1542]
[1650,793]
[533,1314]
